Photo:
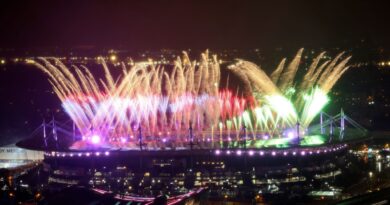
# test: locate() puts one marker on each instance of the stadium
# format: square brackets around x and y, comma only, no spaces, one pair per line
[150,117]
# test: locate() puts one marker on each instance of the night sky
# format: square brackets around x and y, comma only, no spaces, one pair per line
[193,24]
[25,94]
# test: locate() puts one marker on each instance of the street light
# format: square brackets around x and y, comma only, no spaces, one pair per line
[370,174]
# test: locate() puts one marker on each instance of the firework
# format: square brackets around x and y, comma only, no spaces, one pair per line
[162,103]
[166,102]
[291,101]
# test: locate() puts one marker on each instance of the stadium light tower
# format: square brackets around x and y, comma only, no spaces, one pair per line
[342,124]
[191,136]
[322,122]
[140,137]
[298,140]
[244,129]
[44,133]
